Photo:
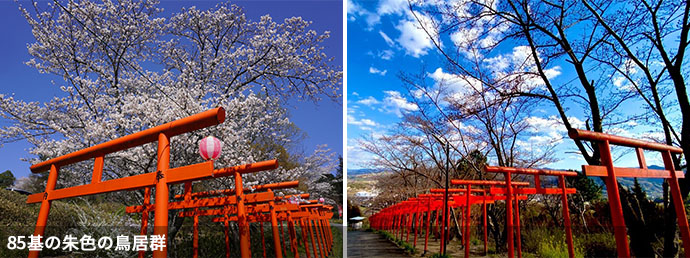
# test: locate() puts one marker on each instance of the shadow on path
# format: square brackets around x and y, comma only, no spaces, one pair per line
[369,244]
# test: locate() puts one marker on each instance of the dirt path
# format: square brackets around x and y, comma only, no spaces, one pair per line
[368,244]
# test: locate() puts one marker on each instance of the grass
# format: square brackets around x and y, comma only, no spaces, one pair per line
[337,242]
[399,242]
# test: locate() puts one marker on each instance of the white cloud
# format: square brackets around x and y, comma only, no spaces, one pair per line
[369,101]
[354,10]
[373,70]
[455,83]
[357,157]
[388,40]
[392,7]
[386,54]
[413,38]
[354,93]
[351,120]
[551,129]
[623,84]
[519,68]
[395,103]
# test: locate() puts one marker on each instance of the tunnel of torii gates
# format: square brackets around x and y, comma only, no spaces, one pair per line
[235,204]
[403,216]
[311,216]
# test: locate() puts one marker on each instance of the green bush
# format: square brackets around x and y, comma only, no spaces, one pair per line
[550,248]
[407,246]
[439,256]
[550,242]
[475,241]
[598,245]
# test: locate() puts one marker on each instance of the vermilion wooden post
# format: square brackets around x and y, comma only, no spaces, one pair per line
[468,214]
[428,220]
[226,226]
[400,225]
[677,199]
[323,234]
[245,245]
[195,241]
[486,246]
[145,217]
[311,235]
[619,229]
[566,217]
[509,214]
[517,227]
[282,238]
[304,237]
[438,221]
[274,228]
[160,220]
[319,236]
[293,235]
[408,223]
[414,225]
[45,207]
[263,240]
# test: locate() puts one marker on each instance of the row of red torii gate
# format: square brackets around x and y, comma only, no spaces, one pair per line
[403,217]
[241,205]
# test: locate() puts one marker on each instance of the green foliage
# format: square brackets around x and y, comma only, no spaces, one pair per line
[550,248]
[598,245]
[439,256]
[475,241]
[6,179]
[467,165]
[353,210]
[587,189]
[407,246]
[75,217]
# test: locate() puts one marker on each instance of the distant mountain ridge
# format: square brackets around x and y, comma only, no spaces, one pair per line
[652,186]
[363,171]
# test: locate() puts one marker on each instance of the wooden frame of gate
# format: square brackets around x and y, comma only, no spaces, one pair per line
[609,173]
[468,187]
[538,189]
[160,179]
[283,212]
[194,200]
[386,218]
[460,201]
[391,218]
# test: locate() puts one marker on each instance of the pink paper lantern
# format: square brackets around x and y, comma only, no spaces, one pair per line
[322,200]
[210,148]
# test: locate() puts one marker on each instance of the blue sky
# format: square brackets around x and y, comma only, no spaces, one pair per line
[384,41]
[321,121]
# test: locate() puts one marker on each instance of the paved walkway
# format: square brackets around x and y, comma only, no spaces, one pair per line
[368,244]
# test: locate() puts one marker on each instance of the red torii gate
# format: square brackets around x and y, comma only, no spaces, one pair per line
[193,200]
[456,195]
[163,177]
[283,212]
[460,200]
[468,187]
[610,173]
[538,189]
[390,218]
